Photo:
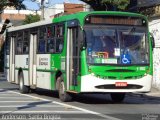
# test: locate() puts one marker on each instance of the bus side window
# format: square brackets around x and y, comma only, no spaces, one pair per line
[50,45]
[41,47]
[25,47]
[26,42]
[59,38]
[8,44]
[50,39]
[42,40]
[59,45]
[19,43]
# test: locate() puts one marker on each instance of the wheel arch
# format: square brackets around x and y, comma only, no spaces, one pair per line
[58,74]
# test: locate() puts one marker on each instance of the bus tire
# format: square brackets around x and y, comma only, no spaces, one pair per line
[22,88]
[117,97]
[63,95]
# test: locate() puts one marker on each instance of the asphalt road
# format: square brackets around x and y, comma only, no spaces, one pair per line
[44,104]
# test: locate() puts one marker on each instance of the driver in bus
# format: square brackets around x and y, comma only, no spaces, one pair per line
[104,44]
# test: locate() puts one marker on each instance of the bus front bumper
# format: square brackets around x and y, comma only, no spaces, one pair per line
[90,83]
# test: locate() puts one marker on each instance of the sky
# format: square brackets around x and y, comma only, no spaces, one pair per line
[35,5]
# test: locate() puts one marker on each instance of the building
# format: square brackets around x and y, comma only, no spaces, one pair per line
[70,8]
[65,8]
[53,10]
[16,16]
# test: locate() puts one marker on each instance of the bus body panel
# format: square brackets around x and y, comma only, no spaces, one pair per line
[43,71]
[25,77]
[43,80]
[90,82]
[21,62]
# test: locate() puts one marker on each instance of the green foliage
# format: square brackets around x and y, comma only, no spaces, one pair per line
[31,19]
[108,4]
[120,4]
[18,4]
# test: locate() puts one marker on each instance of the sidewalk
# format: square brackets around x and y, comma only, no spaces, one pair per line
[2,76]
[154,93]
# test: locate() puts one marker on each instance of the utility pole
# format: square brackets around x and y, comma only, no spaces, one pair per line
[42,9]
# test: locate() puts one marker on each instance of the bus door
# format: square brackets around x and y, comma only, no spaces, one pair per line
[32,59]
[12,60]
[72,54]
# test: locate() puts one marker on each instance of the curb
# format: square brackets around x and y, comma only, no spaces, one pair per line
[146,95]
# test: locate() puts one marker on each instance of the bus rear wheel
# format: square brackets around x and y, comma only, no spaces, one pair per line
[117,97]
[63,95]
[22,87]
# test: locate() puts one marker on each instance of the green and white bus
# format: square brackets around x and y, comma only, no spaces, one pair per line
[86,52]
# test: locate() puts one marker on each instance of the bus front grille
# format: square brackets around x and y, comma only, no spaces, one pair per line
[112,86]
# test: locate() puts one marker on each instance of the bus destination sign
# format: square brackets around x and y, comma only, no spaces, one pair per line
[115,20]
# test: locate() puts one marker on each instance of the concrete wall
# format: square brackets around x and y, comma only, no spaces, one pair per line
[154,26]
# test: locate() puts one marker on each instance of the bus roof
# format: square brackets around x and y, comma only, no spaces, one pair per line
[45,22]
[80,15]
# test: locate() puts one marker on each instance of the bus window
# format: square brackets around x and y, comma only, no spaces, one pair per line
[42,31]
[50,31]
[26,43]
[19,43]
[50,39]
[59,38]
[50,46]
[59,31]
[59,45]
[41,47]
[8,45]
[42,40]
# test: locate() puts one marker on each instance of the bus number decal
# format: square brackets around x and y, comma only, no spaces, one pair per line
[43,61]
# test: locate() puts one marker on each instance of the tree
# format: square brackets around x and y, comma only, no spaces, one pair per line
[18,4]
[31,18]
[108,4]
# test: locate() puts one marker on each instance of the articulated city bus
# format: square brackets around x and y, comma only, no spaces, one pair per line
[86,52]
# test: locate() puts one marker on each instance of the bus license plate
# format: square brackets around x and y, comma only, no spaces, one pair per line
[121,84]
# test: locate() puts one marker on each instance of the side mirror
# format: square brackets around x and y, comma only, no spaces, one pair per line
[82,39]
[152,40]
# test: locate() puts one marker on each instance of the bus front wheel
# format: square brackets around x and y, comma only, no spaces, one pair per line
[117,97]
[22,87]
[63,95]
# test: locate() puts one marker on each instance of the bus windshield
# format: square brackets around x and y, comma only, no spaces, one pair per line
[117,45]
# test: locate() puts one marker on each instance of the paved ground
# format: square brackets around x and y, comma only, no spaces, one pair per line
[14,105]
[44,103]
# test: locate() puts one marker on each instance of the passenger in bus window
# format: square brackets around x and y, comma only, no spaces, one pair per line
[42,46]
[19,47]
[25,48]
[109,44]
[50,46]
[97,45]
[59,45]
